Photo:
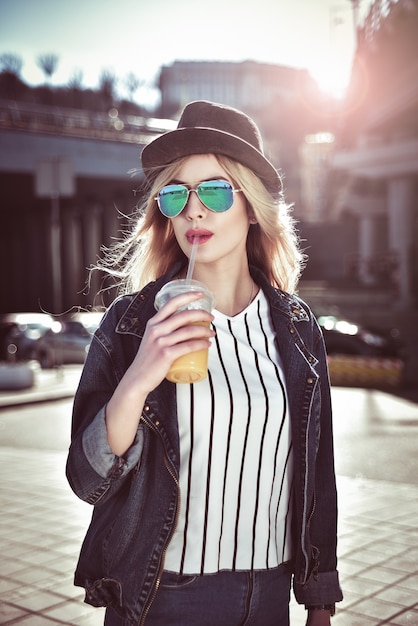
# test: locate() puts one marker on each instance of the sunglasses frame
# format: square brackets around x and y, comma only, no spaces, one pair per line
[196,190]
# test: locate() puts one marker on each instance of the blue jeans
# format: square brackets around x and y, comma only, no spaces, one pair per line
[258,598]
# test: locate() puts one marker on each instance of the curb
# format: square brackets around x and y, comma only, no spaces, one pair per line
[49,385]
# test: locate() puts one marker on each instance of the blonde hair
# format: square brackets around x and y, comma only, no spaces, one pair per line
[151,249]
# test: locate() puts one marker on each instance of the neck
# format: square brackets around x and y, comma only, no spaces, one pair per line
[233,290]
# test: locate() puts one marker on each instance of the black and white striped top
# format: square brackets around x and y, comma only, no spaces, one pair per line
[236,468]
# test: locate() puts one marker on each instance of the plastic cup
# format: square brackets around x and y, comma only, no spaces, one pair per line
[192,367]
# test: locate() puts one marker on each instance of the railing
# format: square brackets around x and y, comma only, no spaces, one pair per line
[80,123]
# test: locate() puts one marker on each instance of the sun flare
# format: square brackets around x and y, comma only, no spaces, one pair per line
[332,77]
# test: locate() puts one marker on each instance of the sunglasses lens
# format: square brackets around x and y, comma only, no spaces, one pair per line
[216,195]
[172,199]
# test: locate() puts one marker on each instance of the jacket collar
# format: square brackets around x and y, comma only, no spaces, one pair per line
[286,303]
[141,306]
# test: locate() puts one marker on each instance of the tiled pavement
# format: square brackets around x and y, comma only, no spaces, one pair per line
[42,524]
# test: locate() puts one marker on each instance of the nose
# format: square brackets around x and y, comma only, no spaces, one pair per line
[194,208]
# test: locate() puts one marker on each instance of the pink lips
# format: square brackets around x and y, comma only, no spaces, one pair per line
[200,234]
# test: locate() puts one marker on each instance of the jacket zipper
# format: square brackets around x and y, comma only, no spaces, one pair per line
[308,521]
[173,476]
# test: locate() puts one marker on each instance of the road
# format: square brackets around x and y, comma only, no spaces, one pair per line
[42,426]
[375,433]
[375,438]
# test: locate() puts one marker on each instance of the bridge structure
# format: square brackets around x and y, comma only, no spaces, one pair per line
[69,179]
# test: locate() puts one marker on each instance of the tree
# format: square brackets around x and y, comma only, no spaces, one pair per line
[48,63]
[132,83]
[11,64]
[76,80]
[107,87]
[11,85]
[75,89]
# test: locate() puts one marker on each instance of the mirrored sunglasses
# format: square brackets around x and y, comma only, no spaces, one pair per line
[215,195]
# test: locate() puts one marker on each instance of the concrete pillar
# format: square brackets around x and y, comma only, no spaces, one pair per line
[400,202]
[74,278]
[114,223]
[366,248]
[92,239]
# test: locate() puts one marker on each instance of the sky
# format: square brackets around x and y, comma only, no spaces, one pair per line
[141,36]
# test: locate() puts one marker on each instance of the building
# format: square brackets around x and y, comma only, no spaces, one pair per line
[315,153]
[248,85]
[376,159]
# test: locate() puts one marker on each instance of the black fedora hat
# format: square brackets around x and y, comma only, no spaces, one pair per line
[206,127]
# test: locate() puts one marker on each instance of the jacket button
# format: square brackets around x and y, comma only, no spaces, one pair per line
[310,381]
[146,408]
[292,331]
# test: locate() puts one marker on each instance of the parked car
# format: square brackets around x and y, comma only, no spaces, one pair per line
[343,336]
[360,356]
[68,340]
[19,334]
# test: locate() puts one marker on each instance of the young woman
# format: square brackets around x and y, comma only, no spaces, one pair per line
[208,497]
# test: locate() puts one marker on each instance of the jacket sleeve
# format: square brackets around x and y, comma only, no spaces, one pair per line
[93,471]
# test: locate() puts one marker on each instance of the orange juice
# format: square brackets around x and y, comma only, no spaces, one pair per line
[190,368]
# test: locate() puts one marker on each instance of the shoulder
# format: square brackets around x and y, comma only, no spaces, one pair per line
[128,314]
[281,301]
[288,304]
[295,313]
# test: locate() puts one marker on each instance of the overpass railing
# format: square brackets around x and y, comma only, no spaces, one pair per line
[80,123]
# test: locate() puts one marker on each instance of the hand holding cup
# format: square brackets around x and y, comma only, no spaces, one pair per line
[191,367]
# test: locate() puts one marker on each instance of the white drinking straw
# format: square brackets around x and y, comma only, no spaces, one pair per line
[192,260]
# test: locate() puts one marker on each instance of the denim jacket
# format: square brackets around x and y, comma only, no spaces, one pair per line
[136,497]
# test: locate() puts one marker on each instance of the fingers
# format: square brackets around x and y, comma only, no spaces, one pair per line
[173,318]
[178,319]
[183,331]
[169,335]
[193,334]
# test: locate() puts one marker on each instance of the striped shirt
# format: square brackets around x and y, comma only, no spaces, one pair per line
[236,465]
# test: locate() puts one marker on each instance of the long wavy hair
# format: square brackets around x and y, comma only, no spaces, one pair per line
[150,248]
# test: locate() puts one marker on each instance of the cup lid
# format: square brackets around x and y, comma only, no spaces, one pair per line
[183,285]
